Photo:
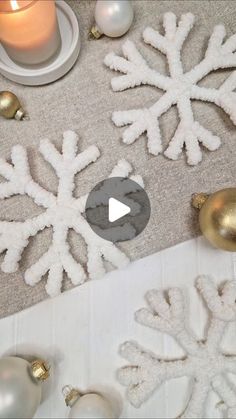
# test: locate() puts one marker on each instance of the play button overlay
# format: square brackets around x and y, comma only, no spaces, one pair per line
[117,209]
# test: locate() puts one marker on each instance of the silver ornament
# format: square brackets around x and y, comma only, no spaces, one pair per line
[89,405]
[20,388]
[113,18]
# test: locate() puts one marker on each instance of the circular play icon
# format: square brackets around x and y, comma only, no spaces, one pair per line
[117,209]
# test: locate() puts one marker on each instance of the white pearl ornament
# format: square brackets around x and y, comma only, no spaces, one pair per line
[91,405]
[20,387]
[113,18]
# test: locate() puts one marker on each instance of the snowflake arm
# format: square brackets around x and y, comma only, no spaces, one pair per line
[68,164]
[171,44]
[14,238]
[69,160]
[135,69]
[20,180]
[99,250]
[168,317]
[195,407]
[147,372]
[56,260]
[224,97]
[227,99]
[222,307]
[190,133]
[218,55]
[226,392]
[122,169]
[204,363]
[144,120]
[221,303]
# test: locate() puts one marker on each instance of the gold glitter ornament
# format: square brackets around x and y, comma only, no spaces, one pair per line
[217,217]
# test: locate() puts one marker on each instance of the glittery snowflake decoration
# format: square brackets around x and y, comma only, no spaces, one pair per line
[204,362]
[179,87]
[62,212]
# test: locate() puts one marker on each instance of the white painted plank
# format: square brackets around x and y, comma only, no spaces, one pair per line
[80,331]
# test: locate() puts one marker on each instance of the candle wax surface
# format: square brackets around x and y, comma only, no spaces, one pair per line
[13,5]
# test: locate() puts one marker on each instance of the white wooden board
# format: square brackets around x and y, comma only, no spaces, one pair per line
[80,331]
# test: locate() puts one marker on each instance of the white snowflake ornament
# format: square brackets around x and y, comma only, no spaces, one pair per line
[204,362]
[179,87]
[62,212]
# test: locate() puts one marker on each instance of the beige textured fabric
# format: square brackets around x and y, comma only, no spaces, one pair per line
[83,101]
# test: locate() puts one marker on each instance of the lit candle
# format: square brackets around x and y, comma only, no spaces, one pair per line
[29,30]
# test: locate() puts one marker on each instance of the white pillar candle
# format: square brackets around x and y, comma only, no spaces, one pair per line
[29,30]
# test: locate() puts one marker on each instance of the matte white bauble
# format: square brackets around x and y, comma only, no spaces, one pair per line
[20,387]
[90,405]
[113,18]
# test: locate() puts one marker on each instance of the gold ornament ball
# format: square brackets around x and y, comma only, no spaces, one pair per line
[10,106]
[218,217]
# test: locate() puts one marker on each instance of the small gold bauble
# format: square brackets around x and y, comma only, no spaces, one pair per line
[218,217]
[10,106]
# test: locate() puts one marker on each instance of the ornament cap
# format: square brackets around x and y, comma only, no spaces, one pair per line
[95,32]
[40,370]
[71,395]
[199,199]
[20,114]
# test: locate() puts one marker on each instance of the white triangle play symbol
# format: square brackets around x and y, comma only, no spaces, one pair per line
[117,210]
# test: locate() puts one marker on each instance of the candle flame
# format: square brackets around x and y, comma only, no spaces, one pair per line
[14,5]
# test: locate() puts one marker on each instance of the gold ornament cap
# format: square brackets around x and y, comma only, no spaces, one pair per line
[71,395]
[40,370]
[95,32]
[20,114]
[199,199]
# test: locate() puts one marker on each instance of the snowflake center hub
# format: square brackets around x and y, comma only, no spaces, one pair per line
[207,364]
[64,213]
[180,87]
